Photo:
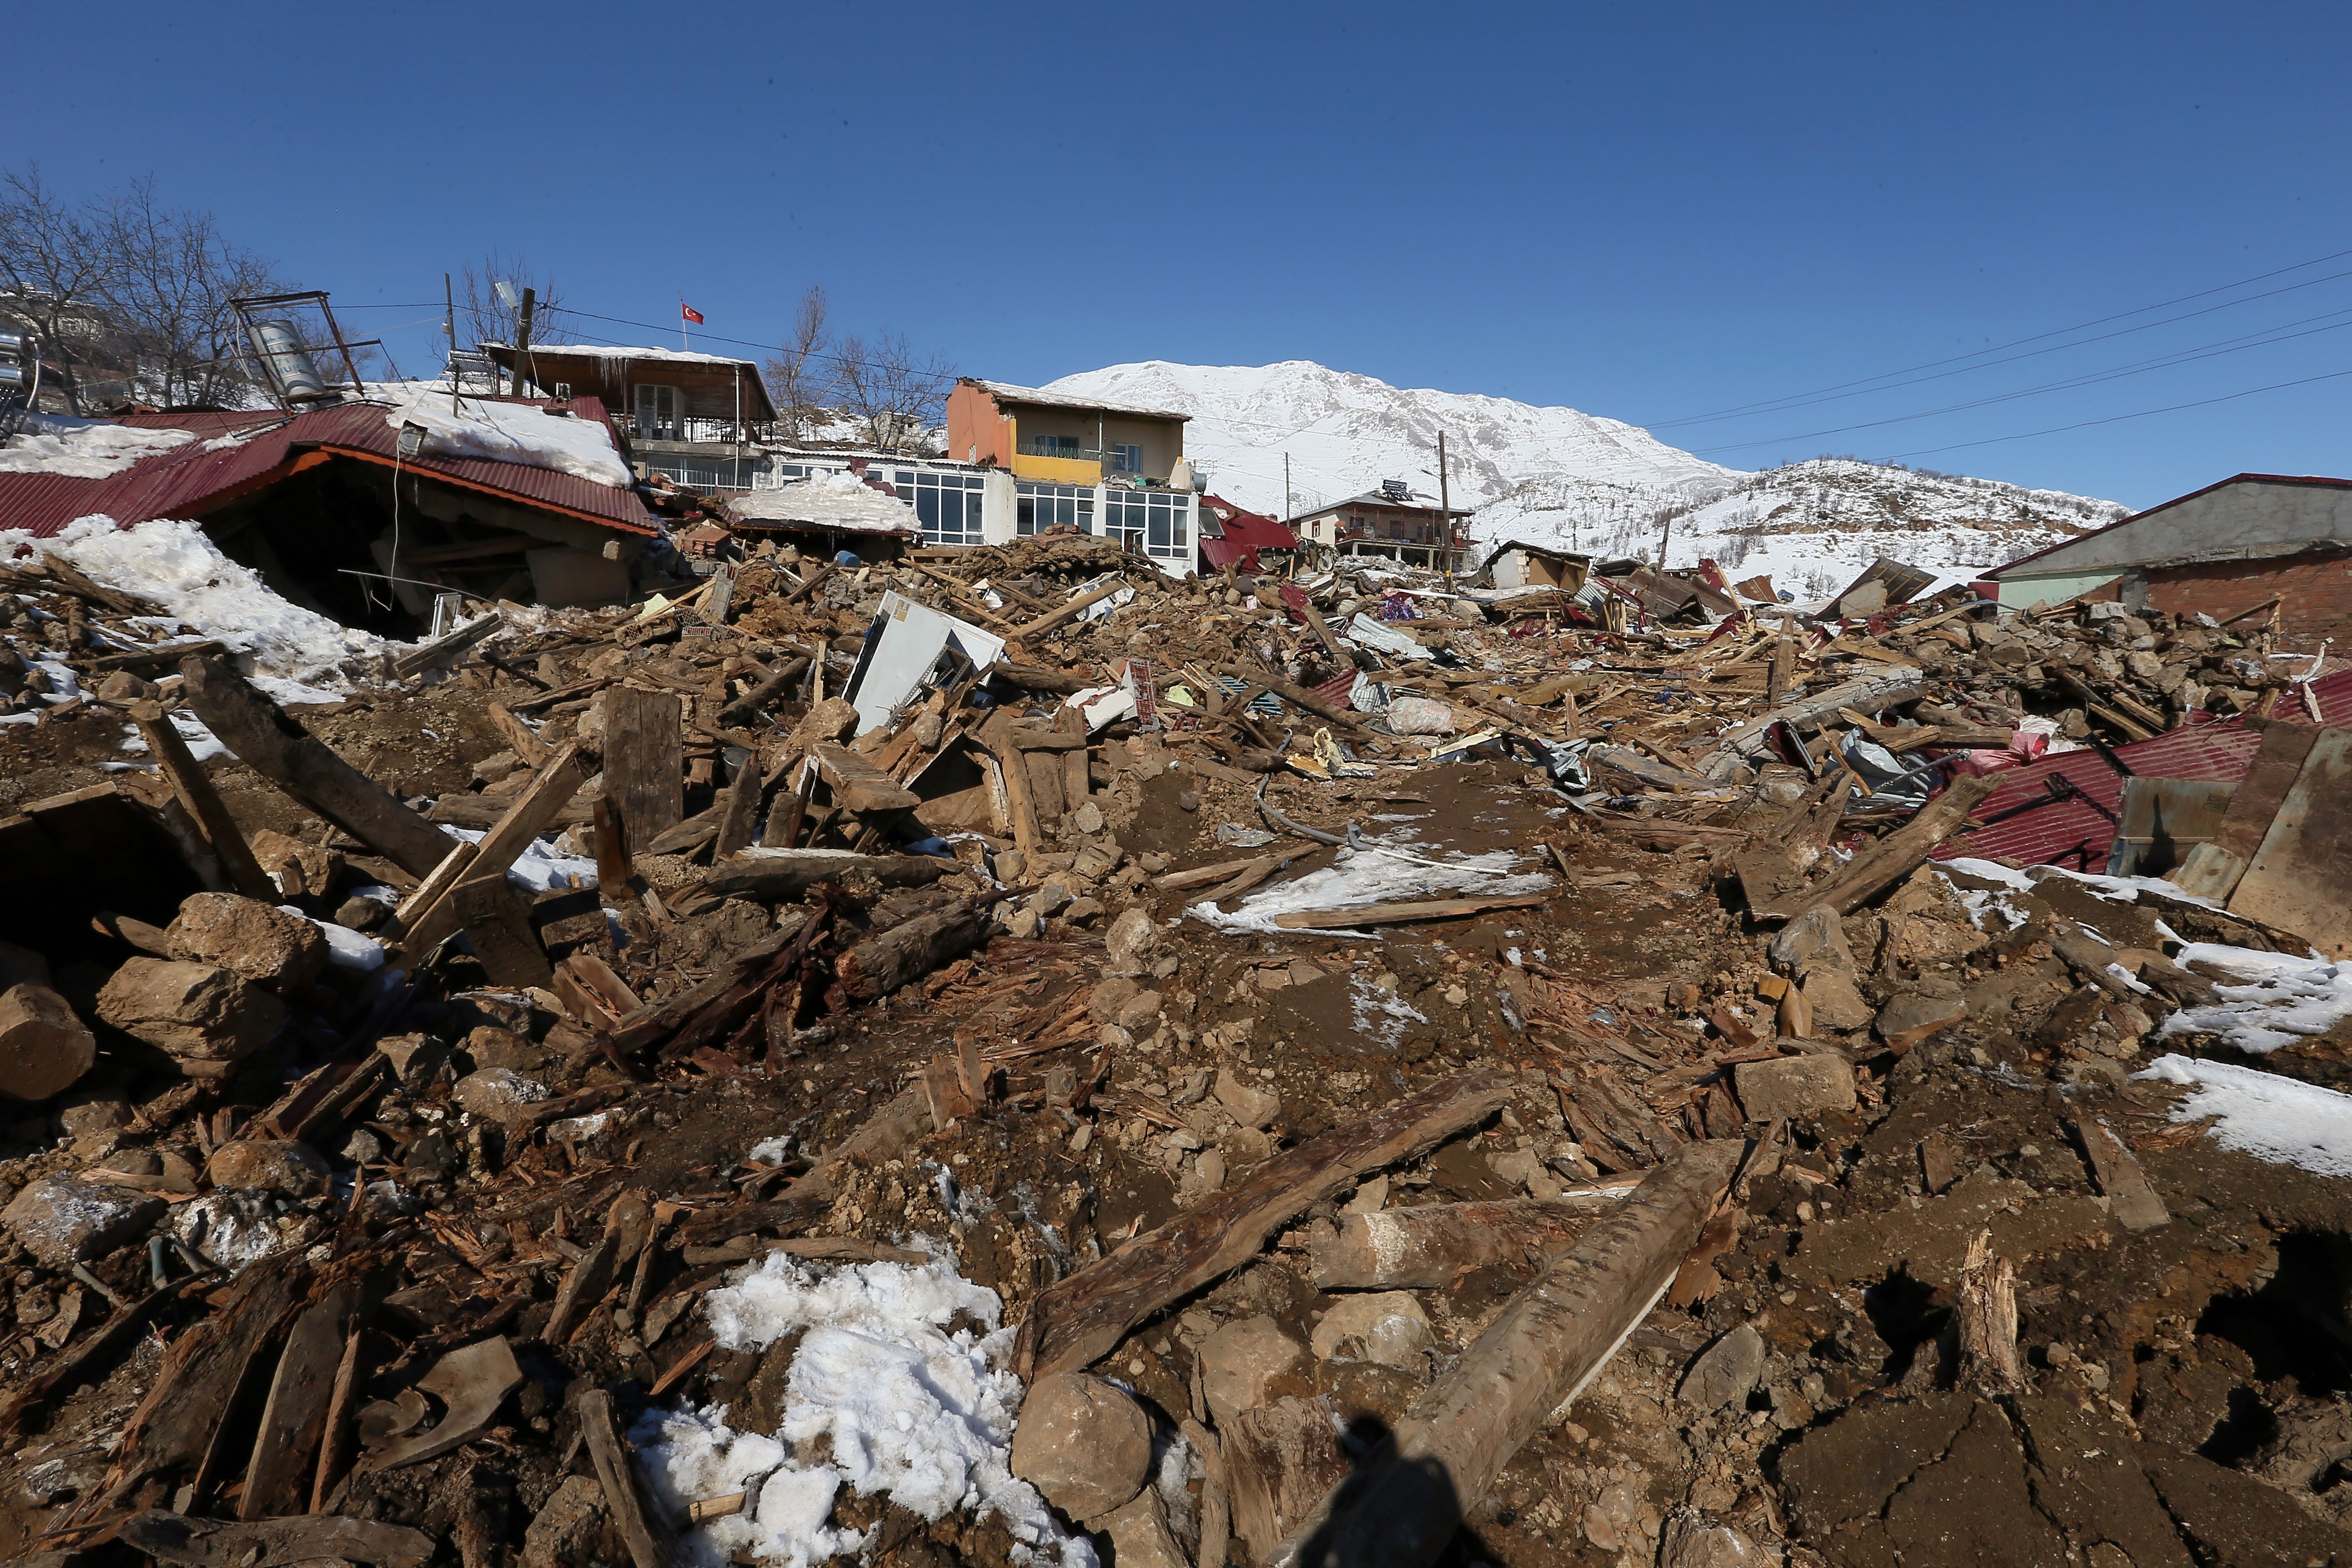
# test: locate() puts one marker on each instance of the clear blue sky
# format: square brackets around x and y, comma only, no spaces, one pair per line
[1644,212]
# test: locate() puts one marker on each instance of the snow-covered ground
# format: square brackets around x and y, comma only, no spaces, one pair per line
[81,448]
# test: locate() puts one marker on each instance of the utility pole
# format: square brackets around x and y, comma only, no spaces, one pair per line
[449,325]
[1665,539]
[1444,505]
[523,380]
[1289,507]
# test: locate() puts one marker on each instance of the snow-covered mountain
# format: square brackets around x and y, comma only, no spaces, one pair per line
[1809,526]
[1346,433]
[1589,483]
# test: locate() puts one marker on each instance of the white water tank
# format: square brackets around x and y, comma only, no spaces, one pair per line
[290,363]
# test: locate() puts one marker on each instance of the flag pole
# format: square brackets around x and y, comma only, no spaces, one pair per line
[683,346]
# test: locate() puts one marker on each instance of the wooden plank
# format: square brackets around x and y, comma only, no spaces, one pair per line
[857,784]
[434,654]
[2300,878]
[738,809]
[273,1542]
[271,744]
[520,737]
[1400,914]
[1547,1344]
[427,916]
[2276,762]
[1881,865]
[645,760]
[616,1474]
[194,788]
[1081,1319]
[295,1418]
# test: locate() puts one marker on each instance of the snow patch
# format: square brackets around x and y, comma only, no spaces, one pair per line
[2279,998]
[82,448]
[506,433]
[2272,1118]
[1375,874]
[903,1406]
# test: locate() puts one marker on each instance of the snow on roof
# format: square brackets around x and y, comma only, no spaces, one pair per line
[506,433]
[836,501]
[81,448]
[1005,391]
[620,350]
[1413,500]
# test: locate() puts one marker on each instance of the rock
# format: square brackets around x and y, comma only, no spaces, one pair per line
[414,1059]
[1833,1002]
[192,1012]
[1138,1010]
[44,1044]
[1082,1443]
[566,1526]
[829,722]
[1087,819]
[1012,866]
[503,1096]
[1109,996]
[1695,1541]
[232,1227]
[1240,1362]
[1815,939]
[1911,1017]
[62,1221]
[1139,1534]
[96,1116]
[491,1046]
[275,1165]
[299,869]
[264,943]
[1387,1326]
[1250,1107]
[1725,1370]
[359,914]
[1132,939]
[1794,1086]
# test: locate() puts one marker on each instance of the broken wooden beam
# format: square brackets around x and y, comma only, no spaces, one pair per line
[1403,1506]
[1434,1245]
[1404,913]
[194,788]
[1878,867]
[1079,1320]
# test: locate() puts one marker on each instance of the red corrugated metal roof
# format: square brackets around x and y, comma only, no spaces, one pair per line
[203,475]
[31,501]
[1243,534]
[2069,829]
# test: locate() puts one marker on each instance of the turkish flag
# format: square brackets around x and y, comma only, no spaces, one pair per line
[690,312]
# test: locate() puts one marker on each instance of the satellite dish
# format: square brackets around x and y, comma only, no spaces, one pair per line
[507,295]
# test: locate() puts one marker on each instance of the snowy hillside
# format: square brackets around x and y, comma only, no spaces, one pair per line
[1809,526]
[1597,485]
[1346,433]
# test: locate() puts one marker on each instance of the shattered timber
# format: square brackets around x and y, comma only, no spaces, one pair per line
[1006,1056]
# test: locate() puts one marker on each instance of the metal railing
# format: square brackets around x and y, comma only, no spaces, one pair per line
[692,428]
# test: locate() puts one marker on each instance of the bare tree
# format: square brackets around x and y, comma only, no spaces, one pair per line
[56,265]
[168,295]
[484,317]
[801,376]
[895,396]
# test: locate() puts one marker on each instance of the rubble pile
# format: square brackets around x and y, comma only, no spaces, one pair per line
[1002,1056]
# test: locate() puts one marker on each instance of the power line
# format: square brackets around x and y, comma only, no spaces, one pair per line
[2068,383]
[1785,405]
[2015,342]
[2118,418]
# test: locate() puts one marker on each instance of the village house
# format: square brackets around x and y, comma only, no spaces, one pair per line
[700,419]
[1395,521]
[2223,551]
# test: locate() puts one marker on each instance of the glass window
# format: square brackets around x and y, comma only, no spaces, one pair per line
[948,504]
[1042,506]
[1126,459]
[1156,523]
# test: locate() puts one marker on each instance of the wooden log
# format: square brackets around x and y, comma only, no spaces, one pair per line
[433,655]
[583,1287]
[775,684]
[273,1542]
[1404,913]
[1036,677]
[273,745]
[1079,1320]
[645,759]
[294,1420]
[780,875]
[45,1047]
[1047,622]
[1985,1320]
[906,953]
[738,809]
[194,789]
[520,737]
[857,784]
[736,1219]
[335,1438]
[616,1474]
[1021,805]
[1881,865]
[1430,1246]
[1297,695]
[1404,1506]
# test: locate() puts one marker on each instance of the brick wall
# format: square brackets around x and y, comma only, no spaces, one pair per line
[2317,588]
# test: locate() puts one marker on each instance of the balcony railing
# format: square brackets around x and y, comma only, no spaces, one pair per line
[694,429]
[1035,446]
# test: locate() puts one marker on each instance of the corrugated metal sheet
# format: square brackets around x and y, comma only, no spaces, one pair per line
[32,500]
[201,476]
[2071,830]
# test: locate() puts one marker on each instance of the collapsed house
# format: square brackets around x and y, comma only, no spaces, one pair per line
[994,1055]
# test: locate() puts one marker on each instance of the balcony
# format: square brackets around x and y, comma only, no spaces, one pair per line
[692,430]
